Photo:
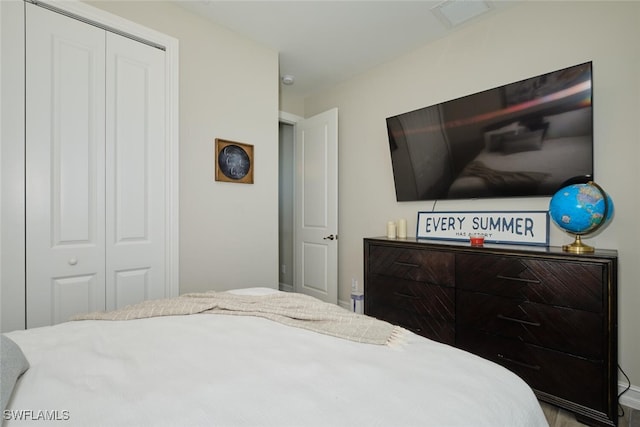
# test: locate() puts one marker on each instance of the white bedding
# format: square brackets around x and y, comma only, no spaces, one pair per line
[222,370]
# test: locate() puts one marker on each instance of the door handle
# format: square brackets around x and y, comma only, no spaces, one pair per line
[330,237]
[73,261]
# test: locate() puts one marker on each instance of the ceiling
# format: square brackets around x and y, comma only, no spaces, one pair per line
[322,43]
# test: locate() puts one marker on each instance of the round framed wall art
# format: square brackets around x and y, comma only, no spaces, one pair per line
[234,162]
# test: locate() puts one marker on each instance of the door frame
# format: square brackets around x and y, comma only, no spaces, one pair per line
[12,225]
[292,119]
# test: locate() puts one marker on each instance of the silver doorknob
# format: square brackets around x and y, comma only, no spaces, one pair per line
[330,237]
[73,261]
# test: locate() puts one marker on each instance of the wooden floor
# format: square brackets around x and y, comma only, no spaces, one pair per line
[561,418]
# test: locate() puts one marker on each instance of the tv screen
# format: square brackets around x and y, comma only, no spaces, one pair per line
[527,138]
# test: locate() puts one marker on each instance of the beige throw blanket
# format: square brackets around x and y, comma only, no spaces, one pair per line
[287,308]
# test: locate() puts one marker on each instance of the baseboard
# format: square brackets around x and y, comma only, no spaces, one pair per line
[285,287]
[289,288]
[631,398]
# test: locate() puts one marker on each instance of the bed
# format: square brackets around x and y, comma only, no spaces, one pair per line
[229,368]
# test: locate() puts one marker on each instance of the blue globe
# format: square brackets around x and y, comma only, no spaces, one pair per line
[581,208]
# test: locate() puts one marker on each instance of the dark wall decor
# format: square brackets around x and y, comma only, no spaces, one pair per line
[234,162]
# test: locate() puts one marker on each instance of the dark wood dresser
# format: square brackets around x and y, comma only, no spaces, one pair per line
[547,315]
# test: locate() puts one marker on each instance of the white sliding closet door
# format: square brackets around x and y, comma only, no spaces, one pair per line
[95,181]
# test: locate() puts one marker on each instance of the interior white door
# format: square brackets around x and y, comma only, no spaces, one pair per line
[135,185]
[316,206]
[65,169]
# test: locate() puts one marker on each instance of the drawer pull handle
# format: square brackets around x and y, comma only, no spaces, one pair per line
[517,279]
[406,264]
[403,295]
[516,362]
[513,319]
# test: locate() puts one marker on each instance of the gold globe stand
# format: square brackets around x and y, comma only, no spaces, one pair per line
[577,247]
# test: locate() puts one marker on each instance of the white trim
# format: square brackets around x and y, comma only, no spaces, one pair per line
[631,398]
[288,118]
[345,304]
[173,165]
[116,22]
[285,287]
[1,213]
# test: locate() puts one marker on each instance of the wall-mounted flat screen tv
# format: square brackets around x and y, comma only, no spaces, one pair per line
[527,138]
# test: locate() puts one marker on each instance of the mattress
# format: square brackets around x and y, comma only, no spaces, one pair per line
[227,370]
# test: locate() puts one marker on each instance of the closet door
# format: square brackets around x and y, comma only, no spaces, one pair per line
[95,166]
[135,186]
[65,167]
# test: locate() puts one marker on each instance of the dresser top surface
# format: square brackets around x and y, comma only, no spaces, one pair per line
[497,248]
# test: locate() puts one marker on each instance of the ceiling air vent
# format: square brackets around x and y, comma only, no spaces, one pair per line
[456,12]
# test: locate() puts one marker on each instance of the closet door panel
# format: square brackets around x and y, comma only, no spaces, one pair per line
[64,167]
[135,159]
[73,295]
[131,286]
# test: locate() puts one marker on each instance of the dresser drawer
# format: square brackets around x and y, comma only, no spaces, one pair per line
[565,329]
[427,310]
[568,284]
[572,378]
[413,264]
[429,327]
[412,297]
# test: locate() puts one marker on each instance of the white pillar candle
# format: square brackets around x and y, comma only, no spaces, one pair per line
[391,230]
[402,228]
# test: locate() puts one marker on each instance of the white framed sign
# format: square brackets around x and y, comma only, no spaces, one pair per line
[521,227]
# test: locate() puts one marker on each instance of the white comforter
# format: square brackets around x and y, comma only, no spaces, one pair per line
[221,370]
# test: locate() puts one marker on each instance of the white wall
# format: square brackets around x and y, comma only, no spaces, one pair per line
[530,39]
[292,104]
[229,90]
